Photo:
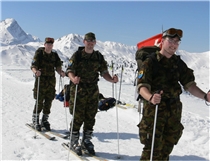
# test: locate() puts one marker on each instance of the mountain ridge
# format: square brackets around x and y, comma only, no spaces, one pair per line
[18,48]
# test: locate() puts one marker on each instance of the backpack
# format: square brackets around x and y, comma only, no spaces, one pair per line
[142,54]
[105,104]
[146,48]
[64,94]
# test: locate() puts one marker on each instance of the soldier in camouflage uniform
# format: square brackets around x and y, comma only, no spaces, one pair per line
[44,64]
[171,71]
[85,73]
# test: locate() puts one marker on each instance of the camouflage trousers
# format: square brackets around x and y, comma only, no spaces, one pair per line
[168,129]
[86,106]
[46,94]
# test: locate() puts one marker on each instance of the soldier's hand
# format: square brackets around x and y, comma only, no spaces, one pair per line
[76,80]
[63,74]
[115,78]
[156,98]
[38,73]
[207,96]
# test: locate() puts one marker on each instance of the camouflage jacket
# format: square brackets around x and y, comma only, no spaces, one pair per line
[170,74]
[46,63]
[88,67]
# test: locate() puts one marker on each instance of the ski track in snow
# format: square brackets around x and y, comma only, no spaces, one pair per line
[18,142]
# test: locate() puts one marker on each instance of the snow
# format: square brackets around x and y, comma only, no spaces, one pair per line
[17,103]
[18,142]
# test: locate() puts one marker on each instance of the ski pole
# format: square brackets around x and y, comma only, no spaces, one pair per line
[118,157]
[153,135]
[63,87]
[140,110]
[72,123]
[60,84]
[37,102]
[135,78]
[120,83]
[66,111]
[154,128]
[112,66]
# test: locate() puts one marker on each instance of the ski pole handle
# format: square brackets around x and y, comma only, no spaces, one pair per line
[151,100]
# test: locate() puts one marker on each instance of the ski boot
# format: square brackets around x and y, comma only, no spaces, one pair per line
[45,123]
[74,144]
[35,122]
[87,145]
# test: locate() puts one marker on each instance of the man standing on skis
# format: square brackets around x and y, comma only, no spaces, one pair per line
[83,71]
[163,89]
[44,64]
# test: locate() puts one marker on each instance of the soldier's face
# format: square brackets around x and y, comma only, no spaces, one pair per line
[90,43]
[171,44]
[48,46]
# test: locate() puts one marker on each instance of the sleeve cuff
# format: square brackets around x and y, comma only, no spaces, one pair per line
[189,84]
[144,85]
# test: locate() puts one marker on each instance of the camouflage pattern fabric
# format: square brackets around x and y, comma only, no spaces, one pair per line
[168,127]
[167,77]
[46,63]
[86,106]
[46,93]
[90,35]
[88,69]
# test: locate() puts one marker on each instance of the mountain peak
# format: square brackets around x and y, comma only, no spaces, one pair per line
[9,21]
[12,33]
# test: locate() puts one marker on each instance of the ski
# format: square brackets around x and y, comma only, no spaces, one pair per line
[126,106]
[53,132]
[121,106]
[41,132]
[82,158]
[94,156]
[85,155]
[130,105]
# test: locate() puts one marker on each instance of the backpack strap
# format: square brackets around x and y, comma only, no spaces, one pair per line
[155,63]
[178,63]
[40,54]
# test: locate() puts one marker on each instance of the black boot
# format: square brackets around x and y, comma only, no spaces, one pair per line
[86,143]
[45,122]
[74,144]
[35,122]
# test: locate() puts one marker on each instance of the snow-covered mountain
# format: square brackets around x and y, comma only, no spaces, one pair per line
[12,33]
[18,49]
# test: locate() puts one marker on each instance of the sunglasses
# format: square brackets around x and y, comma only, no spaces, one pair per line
[90,40]
[172,41]
[49,40]
[172,32]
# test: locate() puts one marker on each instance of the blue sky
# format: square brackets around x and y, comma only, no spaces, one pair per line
[127,22]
